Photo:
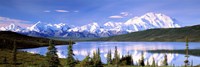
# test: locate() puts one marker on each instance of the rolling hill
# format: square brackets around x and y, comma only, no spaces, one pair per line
[160,34]
[22,41]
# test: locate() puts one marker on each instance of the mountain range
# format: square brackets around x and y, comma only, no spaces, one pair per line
[95,30]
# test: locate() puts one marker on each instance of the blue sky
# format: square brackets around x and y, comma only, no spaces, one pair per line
[80,12]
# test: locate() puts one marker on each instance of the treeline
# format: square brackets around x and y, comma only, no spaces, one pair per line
[116,61]
[95,60]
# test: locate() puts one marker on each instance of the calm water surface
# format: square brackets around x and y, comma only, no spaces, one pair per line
[82,49]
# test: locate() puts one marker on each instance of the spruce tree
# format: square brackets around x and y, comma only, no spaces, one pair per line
[93,59]
[165,61]
[186,51]
[14,53]
[52,57]
[70,58]
[153,63]
[132,60]
[97,59]
[85,62]
[116,57]
[142,60]
[126,60]
[109,57]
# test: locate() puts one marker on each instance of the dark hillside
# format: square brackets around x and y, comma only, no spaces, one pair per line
[22,41]
[162,34]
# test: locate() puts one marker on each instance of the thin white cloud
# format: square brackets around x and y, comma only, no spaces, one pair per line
[63,11]
[47,11]
[4,21]
[76,11]
[116,16]
[121,15]
[124,13]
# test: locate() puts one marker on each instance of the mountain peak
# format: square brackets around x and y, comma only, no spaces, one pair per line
[93,24]
[109,24]
[35,27]
[92,27]
[151,14]
[153,20]
[13,27]
[154,15]
[59,25]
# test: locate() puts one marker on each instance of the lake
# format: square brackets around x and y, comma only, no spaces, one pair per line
[82,49]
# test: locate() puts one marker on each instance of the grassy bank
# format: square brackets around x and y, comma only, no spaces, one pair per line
[24,59]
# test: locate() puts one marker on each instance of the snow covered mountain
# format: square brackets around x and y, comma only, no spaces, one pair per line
[11,27]
[147,21]
[93,30]
[47,30]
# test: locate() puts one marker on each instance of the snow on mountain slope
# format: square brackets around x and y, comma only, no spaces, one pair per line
[35,27]
[12,27]
[47,30]
[117,26]
[149,21]
[146,21]
[93,27]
